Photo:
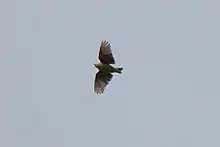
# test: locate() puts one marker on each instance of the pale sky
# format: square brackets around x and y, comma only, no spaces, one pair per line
[167,96]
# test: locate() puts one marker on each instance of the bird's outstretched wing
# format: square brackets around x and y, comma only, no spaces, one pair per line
[105,53]
[101,81]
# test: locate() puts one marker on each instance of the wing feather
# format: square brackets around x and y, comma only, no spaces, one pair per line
[105,53]
[101,81]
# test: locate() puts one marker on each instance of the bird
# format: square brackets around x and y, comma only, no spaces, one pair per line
[104,75]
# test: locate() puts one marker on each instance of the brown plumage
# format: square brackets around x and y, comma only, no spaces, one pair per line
[104,76]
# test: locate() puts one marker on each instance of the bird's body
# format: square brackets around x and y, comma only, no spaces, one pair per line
[107,68]
[104,76]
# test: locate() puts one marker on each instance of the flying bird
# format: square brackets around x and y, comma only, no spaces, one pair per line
[104,75]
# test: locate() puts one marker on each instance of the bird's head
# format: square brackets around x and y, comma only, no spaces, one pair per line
[96,65]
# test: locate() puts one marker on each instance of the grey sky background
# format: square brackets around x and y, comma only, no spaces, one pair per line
[167,96]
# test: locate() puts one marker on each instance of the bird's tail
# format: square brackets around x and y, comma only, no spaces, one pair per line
[120,69]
